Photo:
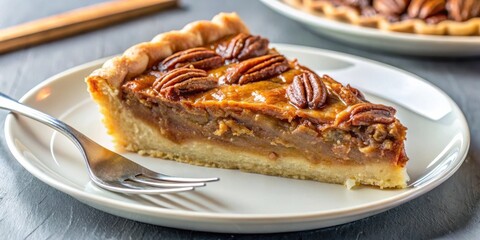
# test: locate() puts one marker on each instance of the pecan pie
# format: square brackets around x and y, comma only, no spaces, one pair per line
[214,95]
[434,17]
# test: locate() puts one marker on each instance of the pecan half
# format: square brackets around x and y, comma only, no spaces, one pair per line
[358,3]
[336,3]
[425,8]
[356,92]
[307,90]
[391,7]
[368,113]
[182,81]
[462,10]
[347,94]
[368,12]
[256,69]
[201,58]
[243,46]
[364,114]
[436,18]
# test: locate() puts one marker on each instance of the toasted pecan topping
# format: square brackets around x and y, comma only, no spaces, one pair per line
[436,18]
[368,113]
[243,46]
[256,69]
[358,3]
[201,58]
[390,7]
[432,11]
[356,92]
[335,3]
[307,90]
[368,12]
[462,10]
[182,81]
[425,8]
[347,94]
[378,132]
[364,114]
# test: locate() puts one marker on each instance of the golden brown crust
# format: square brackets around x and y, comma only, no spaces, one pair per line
[138,58]
[348,14]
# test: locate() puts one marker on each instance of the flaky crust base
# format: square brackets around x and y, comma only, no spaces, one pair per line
[346,14]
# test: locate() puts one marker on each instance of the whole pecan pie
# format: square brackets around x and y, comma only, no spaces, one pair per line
[214,95]
[435,17]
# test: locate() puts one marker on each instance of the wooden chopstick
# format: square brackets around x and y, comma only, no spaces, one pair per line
[76,21]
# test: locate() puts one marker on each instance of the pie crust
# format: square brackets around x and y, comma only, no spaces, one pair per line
[470,27]
[261,124]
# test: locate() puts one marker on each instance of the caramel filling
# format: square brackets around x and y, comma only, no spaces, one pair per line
[265,104]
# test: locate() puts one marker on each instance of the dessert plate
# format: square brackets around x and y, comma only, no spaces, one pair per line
[402,43]
[244,202]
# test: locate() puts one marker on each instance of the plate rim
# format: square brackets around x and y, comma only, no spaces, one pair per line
[377,206]
[338,26]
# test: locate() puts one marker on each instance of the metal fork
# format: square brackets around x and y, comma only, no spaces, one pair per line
[107,169]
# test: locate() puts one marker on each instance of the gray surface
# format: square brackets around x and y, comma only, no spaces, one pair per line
[31,209]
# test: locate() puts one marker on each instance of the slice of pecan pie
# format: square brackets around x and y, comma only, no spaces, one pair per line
[213,95]
[434,17]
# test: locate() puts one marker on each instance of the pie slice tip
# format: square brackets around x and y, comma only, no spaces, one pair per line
[214,95]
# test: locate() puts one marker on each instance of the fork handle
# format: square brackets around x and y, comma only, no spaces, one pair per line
[13,105]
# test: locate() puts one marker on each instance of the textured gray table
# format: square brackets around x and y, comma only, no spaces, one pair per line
[31,209]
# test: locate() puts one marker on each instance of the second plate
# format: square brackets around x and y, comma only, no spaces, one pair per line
[402,43]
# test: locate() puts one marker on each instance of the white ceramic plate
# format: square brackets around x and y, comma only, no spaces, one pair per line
[243,202]
[403,43]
